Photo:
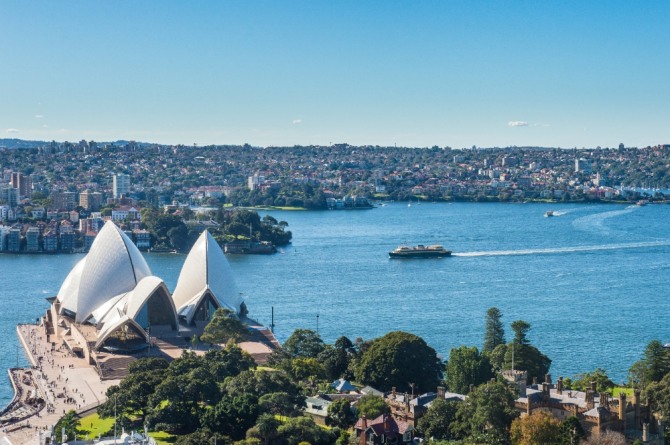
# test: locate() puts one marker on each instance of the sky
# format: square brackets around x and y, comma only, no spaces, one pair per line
[407,73]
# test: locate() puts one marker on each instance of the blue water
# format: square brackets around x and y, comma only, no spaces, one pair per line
[592,280]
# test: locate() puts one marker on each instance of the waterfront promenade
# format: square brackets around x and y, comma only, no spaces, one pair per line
[59,381]
[63,381]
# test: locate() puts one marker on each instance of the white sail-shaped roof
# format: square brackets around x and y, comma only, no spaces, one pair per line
[206,268]
[112,267]
[140,295]
[71,283]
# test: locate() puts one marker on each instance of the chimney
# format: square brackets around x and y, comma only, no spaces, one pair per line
[559,386]
[472,387]
[534,380]
[440,392]
[622,409]
[547,378]
[545,390]
[393,391]
[387,423]
[593,386]
[364,425]
[604,400]
[636,404]
[590,399]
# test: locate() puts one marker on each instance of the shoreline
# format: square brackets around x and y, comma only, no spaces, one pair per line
[55,383]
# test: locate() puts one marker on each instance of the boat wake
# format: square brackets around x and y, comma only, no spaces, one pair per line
[559,250]
[596,222]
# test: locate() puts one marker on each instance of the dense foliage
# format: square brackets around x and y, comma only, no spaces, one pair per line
[465,367]
[521,355]
[399,359]
[223,327]
[248,225]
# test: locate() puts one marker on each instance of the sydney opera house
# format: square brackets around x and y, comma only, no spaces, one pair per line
[111,302]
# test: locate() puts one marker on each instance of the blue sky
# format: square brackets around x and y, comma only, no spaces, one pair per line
[411,73]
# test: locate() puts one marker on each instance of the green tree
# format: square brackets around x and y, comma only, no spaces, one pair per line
[223,327]
[571,431]
[465,367]
[340,414]
[658,394]
[279,403]
[265,429]
[653,366]
[228,362]
[70,421]
[436,423]
[307,368]
[399,359]
[520,354]
[495,332]
[335,361]
[263,382]
[486,414]
[233,415]
[203,436]
[303,343]
[371,406]
[583,381]
[521,329]
[303,429]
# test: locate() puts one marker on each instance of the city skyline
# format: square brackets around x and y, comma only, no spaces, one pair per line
[380,73]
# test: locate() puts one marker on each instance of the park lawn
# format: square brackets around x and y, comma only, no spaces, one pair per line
[264,368]
[163,438]
[622,389]
[93,425]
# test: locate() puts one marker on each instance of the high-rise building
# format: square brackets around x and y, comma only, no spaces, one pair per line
[23,183]
[63,200]
[121,185]
[90,200]
[9,195]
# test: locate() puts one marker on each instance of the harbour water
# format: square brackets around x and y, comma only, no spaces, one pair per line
[592,280]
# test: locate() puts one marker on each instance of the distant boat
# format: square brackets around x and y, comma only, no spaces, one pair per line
[641,202]
[420,251]
[549,213]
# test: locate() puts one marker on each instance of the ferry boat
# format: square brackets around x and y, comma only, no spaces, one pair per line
[420,251]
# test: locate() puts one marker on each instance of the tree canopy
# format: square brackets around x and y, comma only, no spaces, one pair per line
[488,410]
[399,359]
[495,332]
[465,367]
[371,406]
[520,354]
[436,423]
[224,326]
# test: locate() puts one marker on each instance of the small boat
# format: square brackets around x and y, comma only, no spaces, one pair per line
[641,203]
[549,213]
[420,251]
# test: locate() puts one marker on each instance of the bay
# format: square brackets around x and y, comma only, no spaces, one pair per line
[591,280]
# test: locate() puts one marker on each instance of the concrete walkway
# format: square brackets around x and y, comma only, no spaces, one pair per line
[63,381]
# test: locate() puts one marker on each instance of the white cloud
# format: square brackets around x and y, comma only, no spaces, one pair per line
[517,124]
[297,121]
[39,116]
[13,130]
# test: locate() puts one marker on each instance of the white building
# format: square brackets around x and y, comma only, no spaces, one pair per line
[113,289]
[121,185]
